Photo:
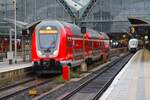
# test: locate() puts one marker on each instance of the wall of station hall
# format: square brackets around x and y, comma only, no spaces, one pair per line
[27,11]
[32,10]
[111,15]
[106,15]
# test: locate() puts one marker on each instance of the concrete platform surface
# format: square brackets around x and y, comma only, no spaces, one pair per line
[5,66]
[133,82]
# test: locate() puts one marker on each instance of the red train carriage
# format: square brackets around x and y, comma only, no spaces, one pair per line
[106,43]
[56,43]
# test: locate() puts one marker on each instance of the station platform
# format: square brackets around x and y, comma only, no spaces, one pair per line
[5,66]
[133,82]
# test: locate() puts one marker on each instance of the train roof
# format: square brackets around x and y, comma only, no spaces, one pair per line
[134,39]
[106,37]
[48,22]
[93,34]
[76,29]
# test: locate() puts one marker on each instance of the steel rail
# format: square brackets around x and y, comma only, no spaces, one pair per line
[97,74]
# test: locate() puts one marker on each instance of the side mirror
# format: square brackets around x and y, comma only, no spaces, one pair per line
[83,30]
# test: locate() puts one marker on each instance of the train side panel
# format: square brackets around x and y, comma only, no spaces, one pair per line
[55,44]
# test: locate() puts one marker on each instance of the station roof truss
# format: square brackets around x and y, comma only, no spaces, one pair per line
[85,13]
[72,15]
[137,22]
[19,24]
[141,25]
[88,9]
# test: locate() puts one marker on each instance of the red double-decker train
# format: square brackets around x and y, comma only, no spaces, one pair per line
[57,43]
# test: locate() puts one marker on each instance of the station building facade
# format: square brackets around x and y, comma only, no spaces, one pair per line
[105,15]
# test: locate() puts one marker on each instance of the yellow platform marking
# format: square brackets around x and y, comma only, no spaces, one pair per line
[147,74]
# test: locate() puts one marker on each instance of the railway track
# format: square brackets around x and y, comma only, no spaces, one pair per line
[94,87]
[18,88]
[16,84]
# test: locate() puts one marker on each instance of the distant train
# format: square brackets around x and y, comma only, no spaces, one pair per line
[56,44]
[134,44]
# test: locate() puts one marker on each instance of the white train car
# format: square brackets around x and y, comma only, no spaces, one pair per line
[133,45]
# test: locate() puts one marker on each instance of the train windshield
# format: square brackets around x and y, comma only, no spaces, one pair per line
[48,37]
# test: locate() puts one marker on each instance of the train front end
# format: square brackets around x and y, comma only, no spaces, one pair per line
[133,45]
[46,47]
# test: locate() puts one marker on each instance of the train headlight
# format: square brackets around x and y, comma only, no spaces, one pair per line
[146,37]
[55,52]
[39,52]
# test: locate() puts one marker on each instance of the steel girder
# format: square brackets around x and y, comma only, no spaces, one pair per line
[72,15]
[88,9]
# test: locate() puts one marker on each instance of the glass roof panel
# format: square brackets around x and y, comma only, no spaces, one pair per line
[77,5]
